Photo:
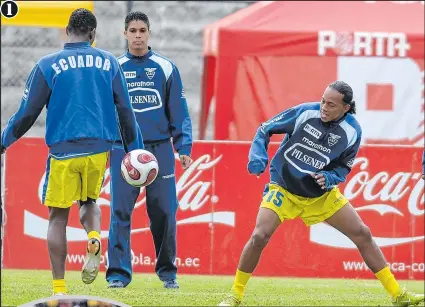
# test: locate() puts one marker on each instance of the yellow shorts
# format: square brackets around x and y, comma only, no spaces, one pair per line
[288,206]
[73,179]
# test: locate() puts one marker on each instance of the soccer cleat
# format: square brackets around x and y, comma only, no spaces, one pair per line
[58,293]
[92,262]
[230,300]
[407,298]
[116,284]
[171,284]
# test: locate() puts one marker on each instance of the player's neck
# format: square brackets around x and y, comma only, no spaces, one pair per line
[339,118]
[78,39]
[138,52]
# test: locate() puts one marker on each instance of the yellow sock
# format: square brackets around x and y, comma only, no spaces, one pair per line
[59,286]
[94,234]
[388,281]
[239,284]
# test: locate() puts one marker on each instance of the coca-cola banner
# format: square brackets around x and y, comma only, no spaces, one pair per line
[218,203]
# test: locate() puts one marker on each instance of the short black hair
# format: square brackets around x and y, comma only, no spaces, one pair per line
[81,22]
[347,92]
[136,16]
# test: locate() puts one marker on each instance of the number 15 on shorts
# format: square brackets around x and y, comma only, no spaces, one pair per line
[274,197]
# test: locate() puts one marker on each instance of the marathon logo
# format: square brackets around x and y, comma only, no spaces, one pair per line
[316,146]
[140,84]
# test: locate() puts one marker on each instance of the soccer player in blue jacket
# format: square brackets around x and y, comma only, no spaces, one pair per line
[158,100]
[82,88]
[317,153]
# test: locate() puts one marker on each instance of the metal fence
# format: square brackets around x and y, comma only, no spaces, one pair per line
[176,33]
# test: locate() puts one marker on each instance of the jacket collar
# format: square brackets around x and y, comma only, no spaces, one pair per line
[143,57]
[334,123]
[76,45]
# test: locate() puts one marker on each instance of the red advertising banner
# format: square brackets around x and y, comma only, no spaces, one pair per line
[218,203]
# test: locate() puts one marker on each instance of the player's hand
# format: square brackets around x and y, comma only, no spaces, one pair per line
[185,161]
[423,176]
[320,180]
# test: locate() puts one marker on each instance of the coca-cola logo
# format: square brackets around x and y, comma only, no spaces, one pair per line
[383,189]
[193,194]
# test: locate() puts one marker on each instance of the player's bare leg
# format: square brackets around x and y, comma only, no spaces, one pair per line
[90,215]
[266,224]
[347,221]
[90,218]
[57,246]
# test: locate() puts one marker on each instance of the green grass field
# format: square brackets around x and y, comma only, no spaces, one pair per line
[19,286]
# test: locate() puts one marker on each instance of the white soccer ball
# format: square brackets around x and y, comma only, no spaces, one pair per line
[139,168]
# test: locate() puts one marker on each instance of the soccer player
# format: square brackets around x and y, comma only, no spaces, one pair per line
[158,99]
[317,153]
[83,88]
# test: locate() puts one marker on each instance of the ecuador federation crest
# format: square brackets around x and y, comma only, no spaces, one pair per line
[333,139]
[150,72]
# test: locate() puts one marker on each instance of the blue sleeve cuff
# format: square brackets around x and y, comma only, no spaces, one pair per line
[255,167]
[329,182]
[185,151]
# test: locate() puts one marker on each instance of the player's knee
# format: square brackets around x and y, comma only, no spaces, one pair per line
[58,216]
[362,235]
[366,233]
[260,238]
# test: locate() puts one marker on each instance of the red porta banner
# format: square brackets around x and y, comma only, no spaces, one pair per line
[218,203]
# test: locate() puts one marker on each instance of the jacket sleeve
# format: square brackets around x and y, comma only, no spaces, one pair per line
[36,96]
[337,171]
[281,123]
[178,114]
[129,128]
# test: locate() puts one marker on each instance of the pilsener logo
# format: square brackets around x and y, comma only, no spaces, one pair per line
[144,99]
[306,159]
[312,131]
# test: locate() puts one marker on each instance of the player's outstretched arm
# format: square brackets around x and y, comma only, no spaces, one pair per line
[129,128]
[281,123]
[179,118]
[36,96]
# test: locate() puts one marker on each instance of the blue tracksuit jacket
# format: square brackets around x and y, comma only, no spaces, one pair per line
[81,114]
[310,146]
[158,99]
